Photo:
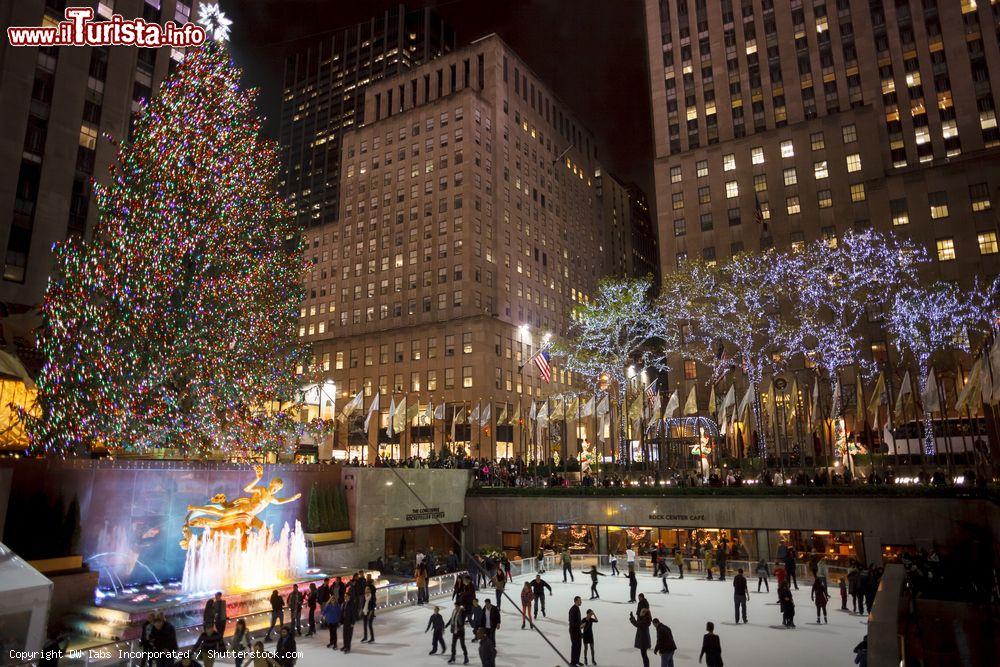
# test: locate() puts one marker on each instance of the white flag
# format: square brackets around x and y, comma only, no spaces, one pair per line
[392,411]
[930,396]
[672,405]
[814,406]
[691,404]
[429,412]
[439,411]
[835,401]
[728,400]
[971,387]
[587,409]
[484,419]
[352,405]
[905,389]
[744,403]
[372,410]
[474,416]
[532,411]
[603,406]
[398,418]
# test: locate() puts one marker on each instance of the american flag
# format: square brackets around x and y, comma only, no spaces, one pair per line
[542,361]
[651,393]
[758,213]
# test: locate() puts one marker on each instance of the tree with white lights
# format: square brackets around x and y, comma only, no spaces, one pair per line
[830,284]
[616,329]
[931,318]
[735,316]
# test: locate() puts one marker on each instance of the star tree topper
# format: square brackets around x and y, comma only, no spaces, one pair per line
[216,25]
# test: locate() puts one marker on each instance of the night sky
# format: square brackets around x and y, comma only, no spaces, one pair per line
[591,53]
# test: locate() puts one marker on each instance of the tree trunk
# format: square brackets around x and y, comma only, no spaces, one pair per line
[758,419]
[929,443]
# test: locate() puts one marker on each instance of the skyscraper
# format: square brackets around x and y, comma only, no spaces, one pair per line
[58,103]
[324,95]
[469,226]
[779,123]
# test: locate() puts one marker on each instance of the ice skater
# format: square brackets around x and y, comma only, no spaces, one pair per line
[787,604]
[588,636]
[820,596]
[527,597]
[711,648]
[763,575]
[567,565]
[642,640]
[632,585]
[740,595]
[613,559]
[436,623]
[663,570]
[538,587]
[457,625]
[594,574]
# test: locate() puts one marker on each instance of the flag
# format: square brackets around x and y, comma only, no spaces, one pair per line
[603,406]
[484,418]
[905,389]
[650,392]
[744,403]
[794,401]
[542,361]
[532,411]
[971,387]
[772,405]
[392,413]
[986,390]
[558,408]
[672,405]
[439,411]
[542,416]
[412,411]
[654,408]
[814,405]
[587,409]
[474,415]
[691,404]
[931,397]
[517,413]
[859,412]
[758,213]
[352,405]
[877,397]
[398,418]
[713,409]
[372,410]
[502,417]
[835,401]
[456,418]
[728,400]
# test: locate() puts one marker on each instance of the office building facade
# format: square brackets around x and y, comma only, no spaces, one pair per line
[58,103]
[324,96]
[469,226]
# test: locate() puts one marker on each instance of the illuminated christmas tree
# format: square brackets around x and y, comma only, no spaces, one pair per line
[175,324]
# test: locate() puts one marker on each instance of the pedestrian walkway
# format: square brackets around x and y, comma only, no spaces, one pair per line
[692,601]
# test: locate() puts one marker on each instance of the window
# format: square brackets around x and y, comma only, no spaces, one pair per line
[824,198]
[820,170]
[466,376]
[857,192]
[675,174]
[757,155]
[432,381]
[705,220]
[939,204]
[945,249]
[732,190]
[816,141]
[987,243]
[467,342]
[678,200]
[681,258]
[704,195]
[449,378]
[792,204]
[791,178]
[850,133]
[702,168]
[787,149]
[734,217]
[853,162]
[979,196]
[760,183]
[679,227]
[729,162]
[690,369]
[900,214]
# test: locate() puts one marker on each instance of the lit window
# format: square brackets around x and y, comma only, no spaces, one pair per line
[945,250]
[791,178]
[787,150]
[850,133]
[728,162]
[824,198]
[820,170]
[979,196]
[675,174]
[466,376]
[678,200]
[816,141]
[853,162]
[680,228]
[900,214]
[760,183]
[987,243]
[757,155]
[704,195]
[792,205]
[732,189]
[702,167]
[939,204]
[88,136]
[857,192]
[690,369]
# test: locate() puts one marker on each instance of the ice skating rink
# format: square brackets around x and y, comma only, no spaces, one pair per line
[400,638]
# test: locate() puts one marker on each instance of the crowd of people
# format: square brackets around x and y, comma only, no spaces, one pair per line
[517,472]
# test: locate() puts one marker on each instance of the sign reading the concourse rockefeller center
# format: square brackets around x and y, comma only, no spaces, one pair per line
[424,513]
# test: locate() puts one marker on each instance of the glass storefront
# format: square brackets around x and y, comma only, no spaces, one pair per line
[837,548]
[402,545]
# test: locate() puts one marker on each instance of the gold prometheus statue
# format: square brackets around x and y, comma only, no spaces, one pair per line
[237,516]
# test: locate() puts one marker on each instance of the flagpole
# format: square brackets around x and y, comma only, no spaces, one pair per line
[947,428]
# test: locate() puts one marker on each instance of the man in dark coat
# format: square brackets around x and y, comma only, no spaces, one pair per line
[575,631]
[348,616]
[163,640]
[665,645]
[487,648]
[538,586]
[295,609]
[740,595]
[215,614]
[711,649]
[436,622]
[491,619]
